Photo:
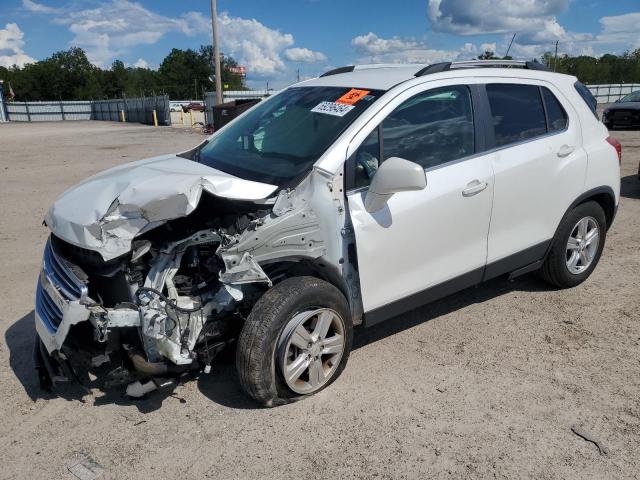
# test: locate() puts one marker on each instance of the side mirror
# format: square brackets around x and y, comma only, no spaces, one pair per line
[394,175]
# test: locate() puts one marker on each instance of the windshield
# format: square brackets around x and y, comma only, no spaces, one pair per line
[632,97]
[278,141]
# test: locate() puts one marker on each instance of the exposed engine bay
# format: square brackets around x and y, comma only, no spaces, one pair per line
[177,298]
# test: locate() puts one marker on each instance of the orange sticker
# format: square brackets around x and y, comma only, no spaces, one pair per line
[352,96]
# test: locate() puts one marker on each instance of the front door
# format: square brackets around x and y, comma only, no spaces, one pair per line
[424,243]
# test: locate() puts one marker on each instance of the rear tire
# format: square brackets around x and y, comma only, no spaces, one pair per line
[577,246]
[267,347]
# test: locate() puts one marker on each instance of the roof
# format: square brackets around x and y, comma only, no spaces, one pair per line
[384,77]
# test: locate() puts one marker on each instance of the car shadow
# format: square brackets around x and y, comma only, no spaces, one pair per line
[20,341]
[630,186]
[221,385]
[478,294]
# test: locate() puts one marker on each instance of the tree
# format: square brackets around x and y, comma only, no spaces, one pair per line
[234,81]
[185,74]
[487,55]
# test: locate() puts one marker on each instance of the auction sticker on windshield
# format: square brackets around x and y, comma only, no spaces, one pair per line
[333,108]
[353,96]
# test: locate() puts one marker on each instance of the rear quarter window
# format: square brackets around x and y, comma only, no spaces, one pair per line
[557,119]
[588,97]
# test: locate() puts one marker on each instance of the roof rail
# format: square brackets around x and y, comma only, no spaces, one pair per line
[371,66]
[445,66]
[336,71]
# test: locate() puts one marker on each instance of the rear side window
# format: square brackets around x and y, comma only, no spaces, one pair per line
[588,97]
[518,113]
[556,116]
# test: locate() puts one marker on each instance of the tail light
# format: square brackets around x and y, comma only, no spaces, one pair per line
[616,144]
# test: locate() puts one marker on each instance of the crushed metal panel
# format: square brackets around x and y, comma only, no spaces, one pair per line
[107,211]
[290,232]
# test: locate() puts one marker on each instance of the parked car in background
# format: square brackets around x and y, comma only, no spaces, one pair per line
[195,106]
[341,201]
[175,106]
[624,113]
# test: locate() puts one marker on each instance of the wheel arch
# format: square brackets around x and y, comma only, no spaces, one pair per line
[603,196]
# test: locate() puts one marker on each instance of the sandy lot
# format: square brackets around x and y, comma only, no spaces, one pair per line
[487,383]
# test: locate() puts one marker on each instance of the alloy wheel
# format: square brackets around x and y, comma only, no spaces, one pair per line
[310,349]
[582,245]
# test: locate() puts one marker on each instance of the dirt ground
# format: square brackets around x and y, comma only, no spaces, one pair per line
[485,384]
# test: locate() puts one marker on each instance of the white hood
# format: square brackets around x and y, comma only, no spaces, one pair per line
[108,210]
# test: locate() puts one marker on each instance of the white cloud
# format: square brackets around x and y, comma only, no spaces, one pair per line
[304,55]
[488,46]
[620,29]
[115,27]
[375,49]
[38,7]
[112,28]
[11,44]
[372,44]
[536,24]
[493,16]
[141,63]
[253,44]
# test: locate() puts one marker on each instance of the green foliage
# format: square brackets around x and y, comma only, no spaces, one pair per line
[608,68]
[69,75]
[488,55]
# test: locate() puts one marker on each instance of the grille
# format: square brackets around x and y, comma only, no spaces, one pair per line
[59,276]
[626,115]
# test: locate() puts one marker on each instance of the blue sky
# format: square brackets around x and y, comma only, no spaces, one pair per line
[276,38]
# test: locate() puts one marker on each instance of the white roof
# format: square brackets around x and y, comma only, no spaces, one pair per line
[384,77]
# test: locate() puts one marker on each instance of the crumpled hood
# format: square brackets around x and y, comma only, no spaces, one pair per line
[106,211]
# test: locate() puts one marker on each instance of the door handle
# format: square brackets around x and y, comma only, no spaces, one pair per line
[565,150]
[474,187]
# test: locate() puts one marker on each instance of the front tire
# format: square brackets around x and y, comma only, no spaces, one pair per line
[577,246]
[295,342]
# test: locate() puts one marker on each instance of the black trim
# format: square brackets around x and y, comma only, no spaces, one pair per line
[596,191]
[446,66]
[435,68]
[336,71]
[532,267]
[482,118]
[516,261]
[421,298]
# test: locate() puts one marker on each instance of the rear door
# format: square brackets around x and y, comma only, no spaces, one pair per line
[433,237]
[539,165]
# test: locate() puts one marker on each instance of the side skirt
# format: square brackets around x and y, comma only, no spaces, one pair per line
[517,264]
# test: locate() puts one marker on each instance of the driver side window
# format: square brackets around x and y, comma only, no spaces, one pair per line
[431,128]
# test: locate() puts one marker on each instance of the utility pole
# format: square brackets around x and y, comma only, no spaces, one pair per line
[298,75]
[555,57]
[216,51]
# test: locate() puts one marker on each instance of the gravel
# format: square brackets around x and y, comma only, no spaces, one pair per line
[487,383]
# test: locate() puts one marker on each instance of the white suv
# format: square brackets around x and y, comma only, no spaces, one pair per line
[343,200]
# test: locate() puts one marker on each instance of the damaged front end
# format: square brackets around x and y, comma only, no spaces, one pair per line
[176,298]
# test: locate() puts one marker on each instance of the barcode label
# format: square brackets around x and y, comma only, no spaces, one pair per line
[333,108]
